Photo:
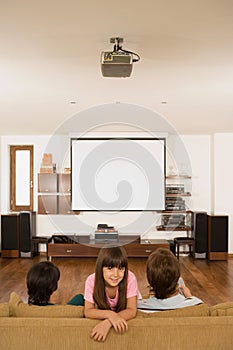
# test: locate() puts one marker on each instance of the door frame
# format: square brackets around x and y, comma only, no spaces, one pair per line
[13,170]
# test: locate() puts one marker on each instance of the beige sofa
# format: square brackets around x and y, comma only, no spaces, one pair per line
[63,327]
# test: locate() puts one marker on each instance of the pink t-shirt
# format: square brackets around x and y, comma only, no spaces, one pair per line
[132,289]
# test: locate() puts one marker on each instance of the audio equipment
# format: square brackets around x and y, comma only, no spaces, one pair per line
[16,232]
[27,230]
[10,235]
[174,189]
[200,227]
[217,237]
[103,237]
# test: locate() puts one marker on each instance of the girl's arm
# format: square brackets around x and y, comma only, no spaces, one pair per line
[91,312]
[131,309]
[130,312]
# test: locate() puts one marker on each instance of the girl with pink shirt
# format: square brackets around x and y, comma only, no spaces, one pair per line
[111,293]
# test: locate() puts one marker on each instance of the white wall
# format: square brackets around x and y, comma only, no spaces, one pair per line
[199,151]
[197,163]
[223,170]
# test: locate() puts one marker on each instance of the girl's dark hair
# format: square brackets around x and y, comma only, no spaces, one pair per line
[42,281]
[110,257]
[163,272]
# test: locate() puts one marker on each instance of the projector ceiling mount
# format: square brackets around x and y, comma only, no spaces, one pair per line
[119,62]
[117,48]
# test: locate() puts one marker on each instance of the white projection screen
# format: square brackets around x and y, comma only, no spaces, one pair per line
[114,174]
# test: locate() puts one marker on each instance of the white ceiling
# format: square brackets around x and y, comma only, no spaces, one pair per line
[50,56]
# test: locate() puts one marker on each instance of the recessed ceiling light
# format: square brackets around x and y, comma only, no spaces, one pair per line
[164,102]
[73,102]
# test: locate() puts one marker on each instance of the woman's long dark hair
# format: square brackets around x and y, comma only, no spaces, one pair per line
[42,281]
[110,257]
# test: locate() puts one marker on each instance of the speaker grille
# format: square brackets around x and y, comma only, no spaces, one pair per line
[25,232]
[200,232]
[218,233]
[10,232]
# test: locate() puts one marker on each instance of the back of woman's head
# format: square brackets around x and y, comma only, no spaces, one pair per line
[42,279]
[163,272]
[110,257]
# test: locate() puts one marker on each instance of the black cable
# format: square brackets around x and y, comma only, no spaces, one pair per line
[133,53]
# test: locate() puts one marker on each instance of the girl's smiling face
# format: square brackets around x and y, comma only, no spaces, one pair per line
[113,275]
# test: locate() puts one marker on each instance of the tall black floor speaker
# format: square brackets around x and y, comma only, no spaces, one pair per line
[16,232]
[217,237]
[26,231]
[200,232]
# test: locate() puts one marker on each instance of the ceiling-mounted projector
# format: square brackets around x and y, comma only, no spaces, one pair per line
[118,63]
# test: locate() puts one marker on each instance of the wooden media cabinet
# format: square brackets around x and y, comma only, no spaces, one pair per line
[83,246]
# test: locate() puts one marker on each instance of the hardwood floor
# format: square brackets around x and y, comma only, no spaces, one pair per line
[211,281]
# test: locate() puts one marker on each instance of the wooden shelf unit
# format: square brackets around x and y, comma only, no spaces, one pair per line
[54,194]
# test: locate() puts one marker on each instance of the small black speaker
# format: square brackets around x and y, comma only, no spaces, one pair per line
[200,232]
[217,237]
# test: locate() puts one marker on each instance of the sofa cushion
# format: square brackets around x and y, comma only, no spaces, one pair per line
[189,311]
[224,309]
[19,309]
[4,310]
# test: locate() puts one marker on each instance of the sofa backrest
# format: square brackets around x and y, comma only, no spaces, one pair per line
[4,310]
[168,333]
[224,309]
[20,309]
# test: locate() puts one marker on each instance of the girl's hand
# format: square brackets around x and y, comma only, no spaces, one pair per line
[100,331]
[119,324]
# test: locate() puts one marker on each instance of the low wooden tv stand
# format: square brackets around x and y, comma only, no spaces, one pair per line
[83,246]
